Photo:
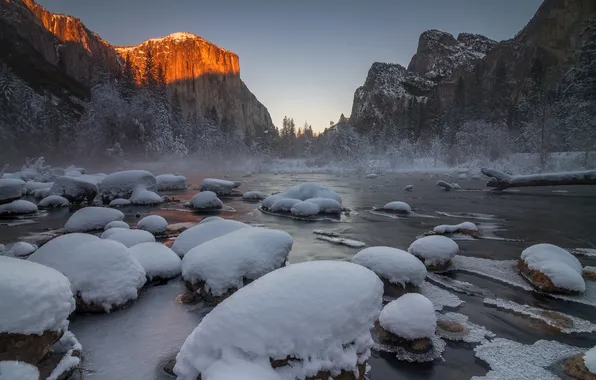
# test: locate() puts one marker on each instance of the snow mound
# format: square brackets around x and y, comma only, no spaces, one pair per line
[307,190]
[560,266]
[18,207]
[158,260]
[203,232]
[117,224]
[434,250]
[270,201]
[101,272]
[254,195]
[411,316]
[284,205]
[398,207]
[590,360]
[409,188]
[15,370]
[31,186]
[142,196]
[210,219]
[92,218]
[449,229]
[59,249]
[218,186]
[326,205]
[41,193]
[53,201]
[122,184]
[318,313]
[119,202]
[153,223]
[240,369]
[11,189]
[305,209]
[225,262]
[111,231]
[170,182]
[206,200]
[21,249]
[394,265]
[74,189]
[35,298]
[131,238]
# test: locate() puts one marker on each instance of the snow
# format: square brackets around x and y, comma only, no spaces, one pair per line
[41,193]
[142,196]
[18,207]
[92,218]
[398,207]
[71,349]
[342,241]
[111,231]
[561,267]
[157,260]
[305,209]
[434,250]
[35,298]
[206,200]
[218,186]
[270,201]
[448,229]
[284,205]
[307,190]
[203,232]
[117,224]
[122,184]
[254,195]
[118,202]
[102,272]
[411,316]
[31,186]
[15,370]
[153,223]
[327,205]
[224,262]
[170,182]
[21,249]
[74,189]
[472,333]
[53,201]
[372,175]
[131,238]
[395,265]
[440,297]
[59,249]
[590,360]
[318,312]
[210,219]
[240,369]
[409,188]
[11,188]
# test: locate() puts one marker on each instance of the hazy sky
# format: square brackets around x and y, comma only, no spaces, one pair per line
[303,58]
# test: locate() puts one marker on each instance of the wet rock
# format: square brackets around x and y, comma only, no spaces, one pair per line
[27,348]
[449,326]
[575,367]
[589,273]
[541,280]
[95,308]
[417,346]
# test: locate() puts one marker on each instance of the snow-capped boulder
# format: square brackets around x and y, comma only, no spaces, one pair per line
[170,182]
[466,228]
[326,205]
[18,207]
[371,175]
[552,269]
[31,186]
[74,189]
[409,188]
[434,251]
[309,320]
[142,196]
[159,262]
[284,205]
[270,201]
[203,232]
[206,201]
[397,207]
[53,201]
[36,302]
[234,368]
[18,370]
[103,274]
[110,231]
[22,249]
[42,193]
[122,184]
[221,266]
[155,224]
[305,209]
[254,196]
[219,186]
[120,202]
[130,238]
[117,224]
[308,190]
[210,219]
[11,189]
[92,218]
[590,360]
[399,270]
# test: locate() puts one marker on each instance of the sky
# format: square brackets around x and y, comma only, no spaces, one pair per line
[302,59]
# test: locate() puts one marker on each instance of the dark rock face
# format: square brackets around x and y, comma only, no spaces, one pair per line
[27,348]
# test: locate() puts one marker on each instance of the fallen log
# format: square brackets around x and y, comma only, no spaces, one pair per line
[500,180]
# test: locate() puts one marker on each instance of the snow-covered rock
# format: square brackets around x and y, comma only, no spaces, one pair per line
[254,195]
[218,186]
[92,218]
[18,207]
[284,205]
[305,209]
[590,360]
[220,266]
[468,228]
[142,196]
[397,207]
[53,201]
[326,205]
[159,261]
[42,193]
[131,238]
[74,189]
[153,223]
[392,265]
[102,273]
[317,313]
[117,224]
[31,186]
[552,269]
[307,190]
[372,175]
[240,369]
[119,202]
[110,231]
[18,370]
[434,251]
[409,188]
[411,316]
[205,201]
[270,201]
[170,182]
[22,249]
[122,184]
[203,232]
[210,219]
[11,189]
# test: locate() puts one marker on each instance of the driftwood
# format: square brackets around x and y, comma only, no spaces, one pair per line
[500,180]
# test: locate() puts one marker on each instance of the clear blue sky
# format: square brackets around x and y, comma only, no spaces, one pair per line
[304,58]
